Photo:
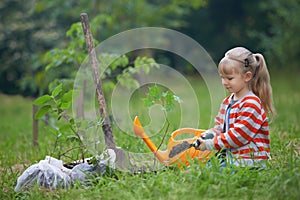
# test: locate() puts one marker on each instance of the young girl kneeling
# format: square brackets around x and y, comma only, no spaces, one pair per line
[241,130]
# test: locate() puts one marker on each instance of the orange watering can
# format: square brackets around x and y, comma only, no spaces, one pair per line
[178,151]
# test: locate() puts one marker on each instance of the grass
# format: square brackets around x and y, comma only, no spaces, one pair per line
[281,179]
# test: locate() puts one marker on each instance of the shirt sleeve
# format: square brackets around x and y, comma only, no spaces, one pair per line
[244,128]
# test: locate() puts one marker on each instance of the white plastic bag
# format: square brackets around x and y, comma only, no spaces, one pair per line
[28,178]
[82,171]
[49,173]
[51,176]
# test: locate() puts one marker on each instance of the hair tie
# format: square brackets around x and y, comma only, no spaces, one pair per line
[246,62]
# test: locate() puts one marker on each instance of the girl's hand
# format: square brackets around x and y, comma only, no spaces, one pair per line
[202,146]
[205,141]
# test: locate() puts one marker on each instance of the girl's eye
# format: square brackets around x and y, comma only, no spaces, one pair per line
[230,78]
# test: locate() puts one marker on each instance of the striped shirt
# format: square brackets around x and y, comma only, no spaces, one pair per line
[246,131]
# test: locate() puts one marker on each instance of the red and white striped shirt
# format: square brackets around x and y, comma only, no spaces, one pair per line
[247,136]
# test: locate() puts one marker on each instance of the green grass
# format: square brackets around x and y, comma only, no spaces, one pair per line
[281,179]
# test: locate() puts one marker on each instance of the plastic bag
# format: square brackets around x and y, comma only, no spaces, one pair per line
[83,171]
[49,173]
[28,177]
[52,176]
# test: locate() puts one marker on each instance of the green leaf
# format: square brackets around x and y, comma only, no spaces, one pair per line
[154,93]
[67,97]
[131,70]
[146,69]
[57,90]
[72,121]
[169,101]
[169,107]
[58,103]
[148,102]
[65,105]
[127,81]
[42,100]
[48,67]
[42,111]
[64,128]
[137,62]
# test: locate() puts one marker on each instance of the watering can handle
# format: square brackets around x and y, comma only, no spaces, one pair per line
[196,132]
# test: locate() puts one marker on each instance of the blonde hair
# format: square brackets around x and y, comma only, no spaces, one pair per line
[255,63]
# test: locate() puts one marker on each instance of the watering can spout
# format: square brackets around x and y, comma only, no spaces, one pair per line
[139,131]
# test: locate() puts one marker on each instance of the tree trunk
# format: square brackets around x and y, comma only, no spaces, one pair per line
[106,126]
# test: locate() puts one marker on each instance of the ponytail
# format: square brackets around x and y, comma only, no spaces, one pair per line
[260,84]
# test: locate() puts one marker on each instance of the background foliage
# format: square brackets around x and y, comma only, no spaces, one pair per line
[30,29]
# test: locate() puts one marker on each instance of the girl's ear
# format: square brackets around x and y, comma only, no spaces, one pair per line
[248,76]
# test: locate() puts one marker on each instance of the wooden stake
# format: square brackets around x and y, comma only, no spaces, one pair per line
[106,126]
[35,124]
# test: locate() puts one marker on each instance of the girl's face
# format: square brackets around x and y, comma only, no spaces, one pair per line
[234,80]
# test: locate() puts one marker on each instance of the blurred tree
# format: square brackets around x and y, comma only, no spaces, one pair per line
[25,34]
[270,27]
[224,24]
[282,40]
[30,28]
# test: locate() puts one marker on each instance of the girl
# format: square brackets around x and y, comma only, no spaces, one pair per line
[241,128]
